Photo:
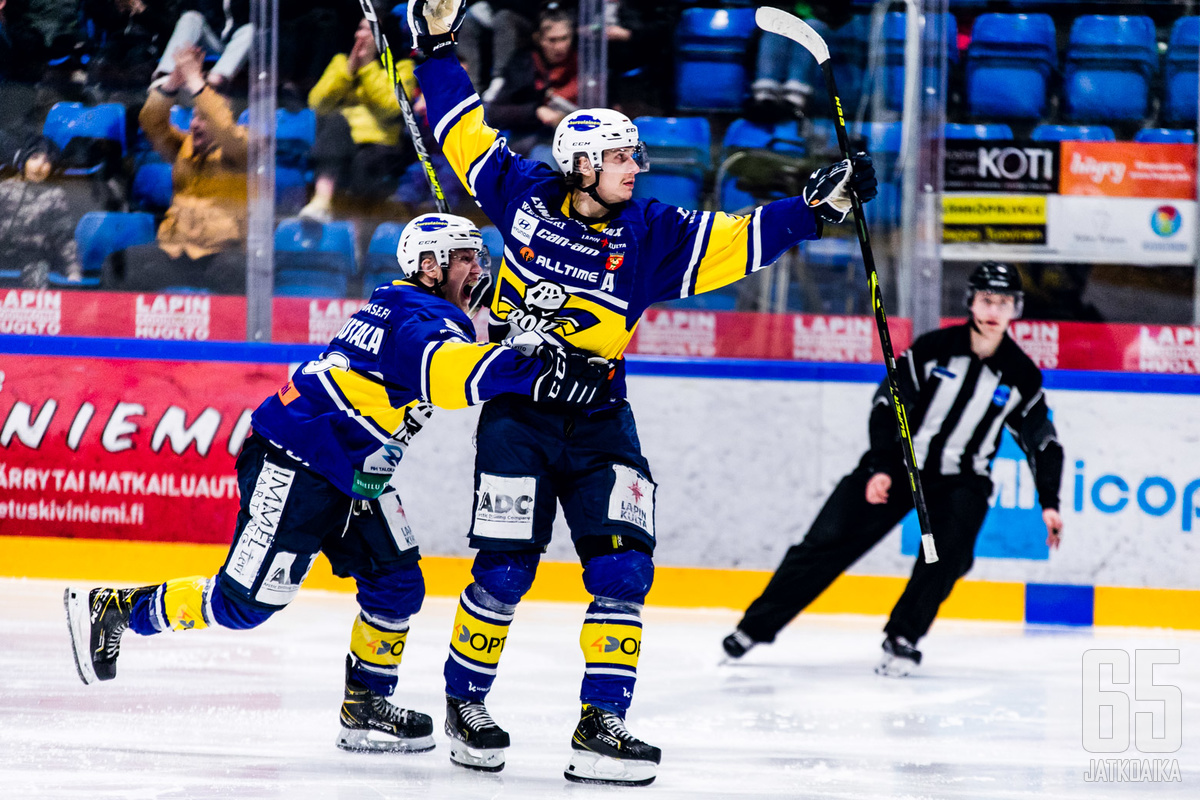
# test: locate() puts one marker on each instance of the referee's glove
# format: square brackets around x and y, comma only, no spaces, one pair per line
[828,189]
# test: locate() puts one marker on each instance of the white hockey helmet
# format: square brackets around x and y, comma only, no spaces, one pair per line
[591,131]
[438,234]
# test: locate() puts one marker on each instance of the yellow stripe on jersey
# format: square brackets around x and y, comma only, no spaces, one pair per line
[724,259]
[450,370]
[184,599]
[611,642]
[375,645]
[468,139]
[370,399]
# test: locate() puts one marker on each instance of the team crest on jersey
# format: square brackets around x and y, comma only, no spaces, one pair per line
[542,309]
[526,254]
[614,263]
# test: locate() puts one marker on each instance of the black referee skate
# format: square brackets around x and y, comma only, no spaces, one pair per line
[605,752]
[737,644]
[370,724]
[476,741]
[96,621]
[899,657]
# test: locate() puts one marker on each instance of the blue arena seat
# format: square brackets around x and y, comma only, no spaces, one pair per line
[75,127]
[1109,66]
[783,138]
[1073,133]
[313,259]
[679,150]
[1166,136]
[381,266]
[152,187]
[848,47]
[98,234]
[291,190]
[710,59]
[835,269]
[1009,62]
[958,130]
[935,28]
[1179,104]
[295,134]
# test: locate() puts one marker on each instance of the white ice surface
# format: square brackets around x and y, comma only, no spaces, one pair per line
[994,713]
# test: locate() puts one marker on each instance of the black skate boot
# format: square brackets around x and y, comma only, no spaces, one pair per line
[370,724]
[737,644]
[476,741]
[96,620]
[899,657]
[605,752]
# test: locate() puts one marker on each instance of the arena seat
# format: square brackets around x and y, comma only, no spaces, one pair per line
[783,138]
[1109,66]
[835,273]
[1073,133]
[98,234]
[381,266]
[848,46]
[313,259]
[1179,104]
[680,158]
[710,59]
[1009,62]
[958,130]
[152,189]
[933,30]
[91,137]
[1166,136]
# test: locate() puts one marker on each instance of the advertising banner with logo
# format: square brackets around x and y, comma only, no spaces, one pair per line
[1001,166]
[999,220]
[1128,169]
[1122,230]
[124,449]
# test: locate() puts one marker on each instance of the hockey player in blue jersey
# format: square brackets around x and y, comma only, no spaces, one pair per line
[582,262]
[314,476]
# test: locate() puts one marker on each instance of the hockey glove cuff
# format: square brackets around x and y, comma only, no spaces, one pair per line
[570,378]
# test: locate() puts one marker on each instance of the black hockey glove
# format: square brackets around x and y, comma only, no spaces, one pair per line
[433,23]
[827,192]
[571,378]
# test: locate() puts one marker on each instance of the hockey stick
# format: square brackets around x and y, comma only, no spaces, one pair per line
[774,20]
[479,294]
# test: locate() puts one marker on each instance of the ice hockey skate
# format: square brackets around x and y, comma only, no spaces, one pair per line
[606,752]
[96,620]
[476,741]
[899,658]
[370,724]
[737,644]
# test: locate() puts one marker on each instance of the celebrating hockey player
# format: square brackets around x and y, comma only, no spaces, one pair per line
[960,386]
[582,262]
[314,476]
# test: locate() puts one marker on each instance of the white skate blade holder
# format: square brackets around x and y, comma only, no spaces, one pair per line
[370,741]
[79,623]
[476,758]
[892,667]
[588,767]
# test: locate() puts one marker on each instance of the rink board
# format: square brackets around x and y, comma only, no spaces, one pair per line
[744,453]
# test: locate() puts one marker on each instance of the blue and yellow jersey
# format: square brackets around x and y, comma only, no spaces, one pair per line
[351,414]
[588,285]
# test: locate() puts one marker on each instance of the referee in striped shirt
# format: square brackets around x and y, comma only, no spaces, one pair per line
[960,385]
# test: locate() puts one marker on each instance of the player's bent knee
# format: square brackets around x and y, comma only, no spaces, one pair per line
[505,575]
[232,611]
[394,593]
[626,575]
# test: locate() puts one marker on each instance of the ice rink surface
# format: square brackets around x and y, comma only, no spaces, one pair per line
[994,713]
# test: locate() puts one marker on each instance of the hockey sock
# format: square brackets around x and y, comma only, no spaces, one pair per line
[180,604]
[377,644]
[611,642]
[480,631]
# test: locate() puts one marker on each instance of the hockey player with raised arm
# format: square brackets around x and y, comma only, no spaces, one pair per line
[314,477]
[960,386]
[582,262]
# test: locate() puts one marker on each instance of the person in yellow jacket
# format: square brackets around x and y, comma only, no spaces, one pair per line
[359,147]
[202,240]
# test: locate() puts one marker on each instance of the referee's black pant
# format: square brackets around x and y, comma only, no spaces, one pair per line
[848,526]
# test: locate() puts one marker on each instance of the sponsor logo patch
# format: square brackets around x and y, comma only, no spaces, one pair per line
[266,508]
[504,507]
[524,225]
[614,263]
[632,499]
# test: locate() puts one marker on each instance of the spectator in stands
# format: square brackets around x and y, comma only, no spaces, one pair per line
[201,242]
[127,39]
[499,28]
[359,147]
[222,27]
[34,31]
[37,235]
[783,79]
[541,84]
[311,32]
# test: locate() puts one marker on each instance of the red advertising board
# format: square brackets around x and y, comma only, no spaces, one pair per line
[124,449]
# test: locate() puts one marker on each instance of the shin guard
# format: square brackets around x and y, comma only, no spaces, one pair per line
[377,645]
[611,642]
[480,631]
[180,604]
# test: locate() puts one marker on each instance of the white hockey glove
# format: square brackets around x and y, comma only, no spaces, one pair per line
[434,22]
[827,192]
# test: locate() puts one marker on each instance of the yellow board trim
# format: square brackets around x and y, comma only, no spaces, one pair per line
[139,563]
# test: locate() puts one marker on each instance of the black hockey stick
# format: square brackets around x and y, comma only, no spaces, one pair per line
[774,20]
[480,293]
